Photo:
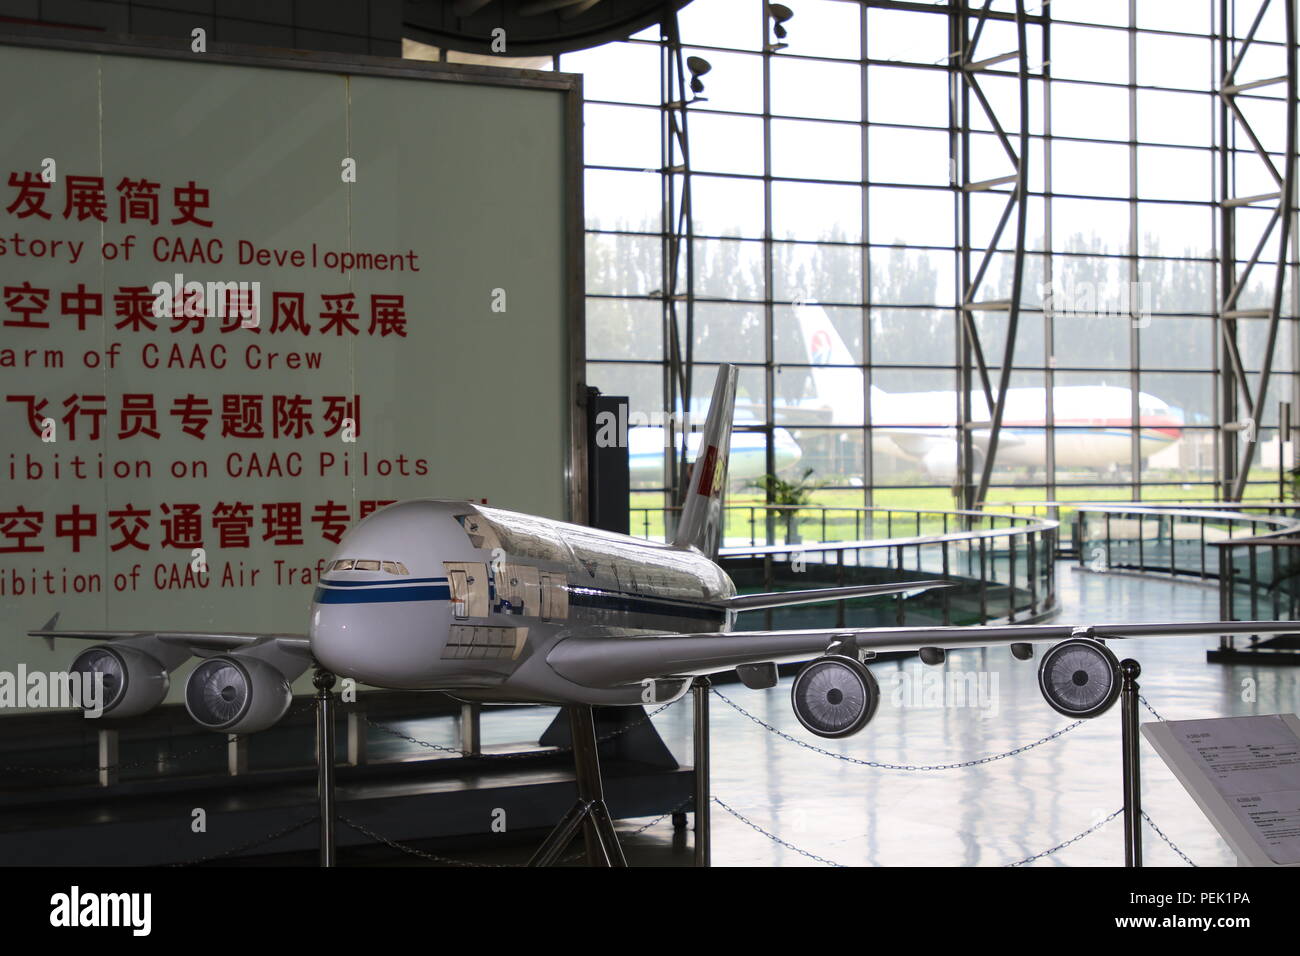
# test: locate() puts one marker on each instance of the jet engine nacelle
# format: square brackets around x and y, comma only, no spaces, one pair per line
[1079,677]
[134,681]
[941,460]
[835,696]
[236,694]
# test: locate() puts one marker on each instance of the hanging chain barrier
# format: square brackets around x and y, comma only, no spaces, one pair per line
[1161,833]
[259,841]
[919,767]
[1154,713]
[412,851]
[821,859]
[442,748]
[1074,839]
[772,836]
[895,766]
[1146,816]
[452,861]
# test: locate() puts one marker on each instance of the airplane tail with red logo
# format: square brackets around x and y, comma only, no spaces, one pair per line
[700,525]
[836,374]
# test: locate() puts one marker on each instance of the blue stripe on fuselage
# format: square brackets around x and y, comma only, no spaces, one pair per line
[386,582]
[394,592]
[388,593]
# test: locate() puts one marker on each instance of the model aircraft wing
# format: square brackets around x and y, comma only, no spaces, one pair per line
[196,640]
[615,661]
[754,602]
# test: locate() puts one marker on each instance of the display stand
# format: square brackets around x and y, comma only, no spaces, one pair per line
[589,811]
[700,688]
[1128,703]
[1244,774]
[324,682]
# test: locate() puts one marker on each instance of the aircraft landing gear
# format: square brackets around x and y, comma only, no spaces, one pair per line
[590,811]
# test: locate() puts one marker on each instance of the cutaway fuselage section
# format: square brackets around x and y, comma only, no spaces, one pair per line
[450,595]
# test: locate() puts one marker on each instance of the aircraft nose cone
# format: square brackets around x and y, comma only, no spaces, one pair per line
[332,644]
[383,647]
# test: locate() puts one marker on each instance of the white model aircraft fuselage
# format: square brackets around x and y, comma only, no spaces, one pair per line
[472,598]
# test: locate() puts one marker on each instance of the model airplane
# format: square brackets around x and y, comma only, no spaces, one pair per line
[495,606]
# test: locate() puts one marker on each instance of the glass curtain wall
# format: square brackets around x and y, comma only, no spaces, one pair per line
[826,213]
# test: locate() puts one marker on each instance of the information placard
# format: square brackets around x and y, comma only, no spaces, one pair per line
[245,300]
[1244,772]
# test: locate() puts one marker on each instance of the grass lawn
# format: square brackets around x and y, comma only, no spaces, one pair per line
[747,520]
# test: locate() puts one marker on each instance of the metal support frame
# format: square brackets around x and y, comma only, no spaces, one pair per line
[324,683]
[589,812]
[237,754]
[1132,757]
[968,61]
[1241,411]
[356,736]
[471,728]
[109,756]
[700,688]
[678,251]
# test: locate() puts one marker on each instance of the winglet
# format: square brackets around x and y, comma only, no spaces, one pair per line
[700,525]
[50,625]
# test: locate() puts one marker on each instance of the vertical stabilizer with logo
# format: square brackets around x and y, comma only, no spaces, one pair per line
[701,522]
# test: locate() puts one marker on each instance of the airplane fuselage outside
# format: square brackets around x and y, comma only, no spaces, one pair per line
[1093,422]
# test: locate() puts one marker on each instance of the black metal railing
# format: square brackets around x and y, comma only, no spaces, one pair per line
[1161,539]
[1001,566]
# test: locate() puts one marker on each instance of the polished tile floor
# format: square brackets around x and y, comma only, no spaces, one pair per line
[986,815]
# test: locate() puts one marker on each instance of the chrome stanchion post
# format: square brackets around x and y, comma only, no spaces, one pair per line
[703,834]
[1128,704]
[471,731]
[324,682]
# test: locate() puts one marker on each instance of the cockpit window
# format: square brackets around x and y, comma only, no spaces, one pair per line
[361,564]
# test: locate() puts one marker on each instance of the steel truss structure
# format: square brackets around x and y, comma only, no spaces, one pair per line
[1242,411]
[984,364]
[969,61]
[678,250]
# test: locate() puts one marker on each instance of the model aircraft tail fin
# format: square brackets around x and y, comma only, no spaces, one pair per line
[700,525]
